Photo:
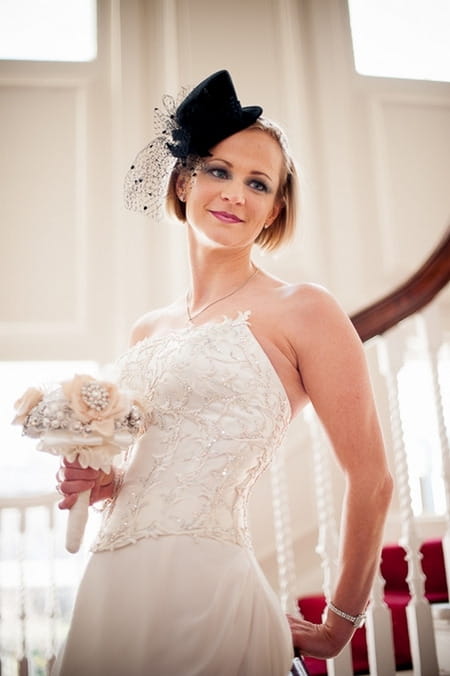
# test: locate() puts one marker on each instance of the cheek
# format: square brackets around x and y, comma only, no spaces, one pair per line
[197,192]
[266,210]
[197,200]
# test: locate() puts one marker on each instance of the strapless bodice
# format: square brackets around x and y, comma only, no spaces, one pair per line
[217,412]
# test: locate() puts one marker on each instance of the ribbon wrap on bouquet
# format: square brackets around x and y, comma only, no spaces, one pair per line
[86,420]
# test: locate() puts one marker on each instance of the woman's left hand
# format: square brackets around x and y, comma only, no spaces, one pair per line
[322,641]
[73,479]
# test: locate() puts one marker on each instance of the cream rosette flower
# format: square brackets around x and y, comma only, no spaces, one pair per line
[96,403]
[27,401]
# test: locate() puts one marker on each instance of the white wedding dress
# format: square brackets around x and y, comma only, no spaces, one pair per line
[172,586]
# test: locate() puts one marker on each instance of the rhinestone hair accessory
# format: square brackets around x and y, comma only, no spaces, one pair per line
[185,132]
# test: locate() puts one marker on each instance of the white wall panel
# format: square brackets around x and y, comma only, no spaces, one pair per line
[55,177]
[413,177]
[42,256]
[379,215]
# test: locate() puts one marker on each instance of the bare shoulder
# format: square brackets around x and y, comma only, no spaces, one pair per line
[310,297]
[313,317]
[143,327]
[313,303]
[300,311]
[151,323]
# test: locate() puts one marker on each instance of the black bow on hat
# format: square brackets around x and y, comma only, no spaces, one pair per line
[209,114]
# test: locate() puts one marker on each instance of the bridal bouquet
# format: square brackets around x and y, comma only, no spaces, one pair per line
[83,419]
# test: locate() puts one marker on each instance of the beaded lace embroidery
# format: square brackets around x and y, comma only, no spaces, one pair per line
[217,414]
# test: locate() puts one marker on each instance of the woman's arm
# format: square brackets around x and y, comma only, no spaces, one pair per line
[334,372]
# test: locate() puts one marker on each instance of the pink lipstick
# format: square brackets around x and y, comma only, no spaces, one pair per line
[225,217]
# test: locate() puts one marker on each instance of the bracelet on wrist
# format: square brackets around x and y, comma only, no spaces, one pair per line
[356,620]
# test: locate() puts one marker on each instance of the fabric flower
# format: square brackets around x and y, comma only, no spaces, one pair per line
[94,402]
[97,457]
[27,401]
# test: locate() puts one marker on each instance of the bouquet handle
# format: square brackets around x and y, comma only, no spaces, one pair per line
[76,523]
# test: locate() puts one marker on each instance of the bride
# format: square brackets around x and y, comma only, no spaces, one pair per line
[172,585]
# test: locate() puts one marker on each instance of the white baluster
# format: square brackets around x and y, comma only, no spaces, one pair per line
[327,546]
[418,610]
[380,642]
[283,535]
[430,328]
[23,659]
[51,598]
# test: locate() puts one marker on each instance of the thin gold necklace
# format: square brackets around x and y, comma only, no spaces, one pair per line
[241,286]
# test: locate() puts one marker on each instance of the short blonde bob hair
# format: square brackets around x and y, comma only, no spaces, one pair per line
[283,227]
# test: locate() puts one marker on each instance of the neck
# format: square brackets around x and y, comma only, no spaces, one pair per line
[215,273]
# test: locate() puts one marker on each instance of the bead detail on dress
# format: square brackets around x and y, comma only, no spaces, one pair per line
[217,413]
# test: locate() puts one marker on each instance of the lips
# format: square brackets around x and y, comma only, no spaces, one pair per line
[226,217]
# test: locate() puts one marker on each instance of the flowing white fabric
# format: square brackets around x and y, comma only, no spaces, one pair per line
[173,586]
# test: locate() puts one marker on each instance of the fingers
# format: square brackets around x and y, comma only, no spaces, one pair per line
[68,501]
[70,490]
[301,628]
[317,640]
[72,486]
[307,637]
[73,479]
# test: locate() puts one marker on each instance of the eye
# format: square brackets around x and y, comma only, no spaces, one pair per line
[259,186]
[217,172]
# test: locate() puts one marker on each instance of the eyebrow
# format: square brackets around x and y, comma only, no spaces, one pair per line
[255,172]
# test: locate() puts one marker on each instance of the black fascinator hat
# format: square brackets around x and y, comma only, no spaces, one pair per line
[207,115]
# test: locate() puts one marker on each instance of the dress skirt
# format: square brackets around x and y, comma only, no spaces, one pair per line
[176,605]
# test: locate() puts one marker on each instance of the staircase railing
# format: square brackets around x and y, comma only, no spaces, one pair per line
[410,297]
[388,327]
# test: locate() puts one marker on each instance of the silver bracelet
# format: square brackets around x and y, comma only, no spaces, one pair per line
[356,620]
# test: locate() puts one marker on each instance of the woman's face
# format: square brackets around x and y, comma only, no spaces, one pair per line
[234,192]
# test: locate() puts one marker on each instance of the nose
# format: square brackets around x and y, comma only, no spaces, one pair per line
[233,192]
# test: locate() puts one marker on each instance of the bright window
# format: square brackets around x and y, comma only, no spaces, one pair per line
[421,437]
[48,30]
[401,38]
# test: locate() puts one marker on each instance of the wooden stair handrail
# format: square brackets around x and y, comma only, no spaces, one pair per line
[409,297]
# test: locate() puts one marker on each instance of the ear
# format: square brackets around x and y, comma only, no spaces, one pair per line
[181,187]
[273,214]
